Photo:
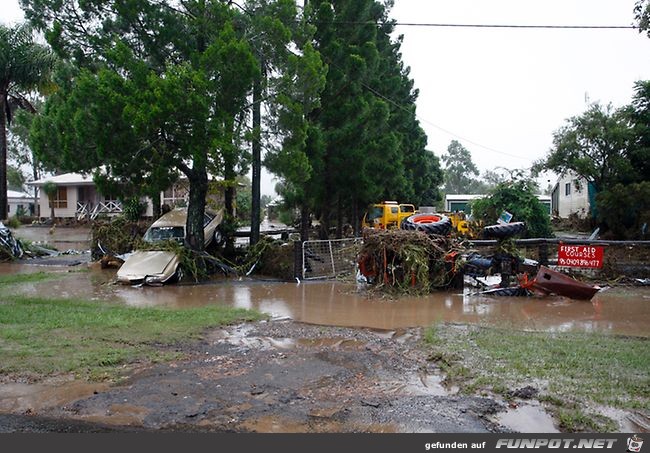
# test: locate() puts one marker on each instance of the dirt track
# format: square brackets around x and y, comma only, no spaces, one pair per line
[277,376]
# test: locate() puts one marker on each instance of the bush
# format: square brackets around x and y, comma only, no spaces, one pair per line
[625,209]
[517,197]
[12,222]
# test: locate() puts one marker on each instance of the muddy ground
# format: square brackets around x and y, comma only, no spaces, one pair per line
[275,376]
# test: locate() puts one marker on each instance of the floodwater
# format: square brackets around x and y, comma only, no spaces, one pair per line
[622,310]
[60,237]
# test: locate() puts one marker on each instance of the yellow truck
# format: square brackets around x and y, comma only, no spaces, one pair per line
[387,215]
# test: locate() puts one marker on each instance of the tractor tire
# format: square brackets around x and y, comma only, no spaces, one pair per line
[428,223]
[503,231]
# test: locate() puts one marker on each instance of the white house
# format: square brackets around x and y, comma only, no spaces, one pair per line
[18,201]
[571,196]
[78,197]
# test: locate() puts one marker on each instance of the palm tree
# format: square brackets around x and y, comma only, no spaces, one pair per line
[24,66]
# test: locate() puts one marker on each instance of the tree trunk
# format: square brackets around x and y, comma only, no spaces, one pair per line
[4,204]
[229,204]
[355,217]
[339,217]
[257,160]
[155,202]
[304,222]
[194,238]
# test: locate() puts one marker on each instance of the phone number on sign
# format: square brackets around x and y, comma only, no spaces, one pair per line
[573,251]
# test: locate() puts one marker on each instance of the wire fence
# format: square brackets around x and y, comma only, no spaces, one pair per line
[329,258]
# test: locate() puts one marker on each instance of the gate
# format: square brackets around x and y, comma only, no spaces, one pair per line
[329,258]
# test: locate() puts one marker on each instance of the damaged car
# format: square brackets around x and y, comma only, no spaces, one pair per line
[154,267]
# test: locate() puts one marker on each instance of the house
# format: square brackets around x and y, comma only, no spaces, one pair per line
[77,197]
[19,202]
[460,202]
[572,194]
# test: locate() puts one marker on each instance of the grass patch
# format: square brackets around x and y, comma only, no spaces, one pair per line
[92,340]
[567,368]
[15,279]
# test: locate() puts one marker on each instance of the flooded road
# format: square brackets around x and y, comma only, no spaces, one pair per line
[60,237]
[622,310]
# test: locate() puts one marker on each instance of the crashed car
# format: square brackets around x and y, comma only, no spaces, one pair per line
[158,267]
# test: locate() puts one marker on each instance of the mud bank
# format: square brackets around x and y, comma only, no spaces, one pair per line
[277,376]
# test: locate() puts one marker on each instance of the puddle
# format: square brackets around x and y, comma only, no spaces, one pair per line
[527,419]
[317,423]
[426,385]
[616,310]
[33,398]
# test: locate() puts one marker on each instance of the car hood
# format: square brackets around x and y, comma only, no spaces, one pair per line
[155,266]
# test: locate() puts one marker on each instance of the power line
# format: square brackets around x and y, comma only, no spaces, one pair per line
[424,120]
[515,26]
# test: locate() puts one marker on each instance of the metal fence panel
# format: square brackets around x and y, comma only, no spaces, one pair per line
[329,258]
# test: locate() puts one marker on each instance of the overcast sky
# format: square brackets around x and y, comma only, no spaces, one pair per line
[503,92]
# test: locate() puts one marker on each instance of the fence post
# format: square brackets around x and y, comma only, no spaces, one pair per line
[543,253]
[298,265]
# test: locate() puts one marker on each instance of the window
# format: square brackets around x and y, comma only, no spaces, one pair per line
[60,198]
[567,189]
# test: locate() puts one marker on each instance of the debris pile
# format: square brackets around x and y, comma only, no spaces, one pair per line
[115,237]
[10,247]
[410,261]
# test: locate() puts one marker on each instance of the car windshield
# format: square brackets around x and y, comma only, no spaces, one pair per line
[154,234]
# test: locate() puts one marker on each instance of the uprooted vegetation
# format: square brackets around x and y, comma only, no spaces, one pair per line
[116,237]
[409,261]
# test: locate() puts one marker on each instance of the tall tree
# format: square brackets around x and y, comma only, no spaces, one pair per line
[642,15]
[593,145]
[24,66]
[162,89]
[459,168]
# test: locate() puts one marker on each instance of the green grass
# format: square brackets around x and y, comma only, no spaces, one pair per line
[567,368]
[40,337]
[14,279]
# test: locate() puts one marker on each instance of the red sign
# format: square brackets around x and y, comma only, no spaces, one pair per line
[580,256]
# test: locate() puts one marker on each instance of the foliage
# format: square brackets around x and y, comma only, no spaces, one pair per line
[517,196]
[115,237]
[40,337]
[163,83]
[24,66]
[407,261]
[625,209]
[642,15]
[459,169]
[133,209]
[594,146]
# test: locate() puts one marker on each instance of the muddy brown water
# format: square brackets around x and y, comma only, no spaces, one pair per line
[60,237]
[622,310]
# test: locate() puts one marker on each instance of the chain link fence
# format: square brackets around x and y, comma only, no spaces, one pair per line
[329,258]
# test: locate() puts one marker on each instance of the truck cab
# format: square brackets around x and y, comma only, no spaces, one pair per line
[387,215]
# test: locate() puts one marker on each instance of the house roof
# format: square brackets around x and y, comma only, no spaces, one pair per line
[66,179]
[18,195]
[459,197]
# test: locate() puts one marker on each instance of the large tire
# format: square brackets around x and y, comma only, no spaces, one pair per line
[429,223]
[503,231]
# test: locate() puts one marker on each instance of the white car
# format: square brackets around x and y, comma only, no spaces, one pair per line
[157,267]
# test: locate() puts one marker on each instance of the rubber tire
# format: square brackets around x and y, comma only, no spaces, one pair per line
[428,223]
[219,239]
[503,231]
